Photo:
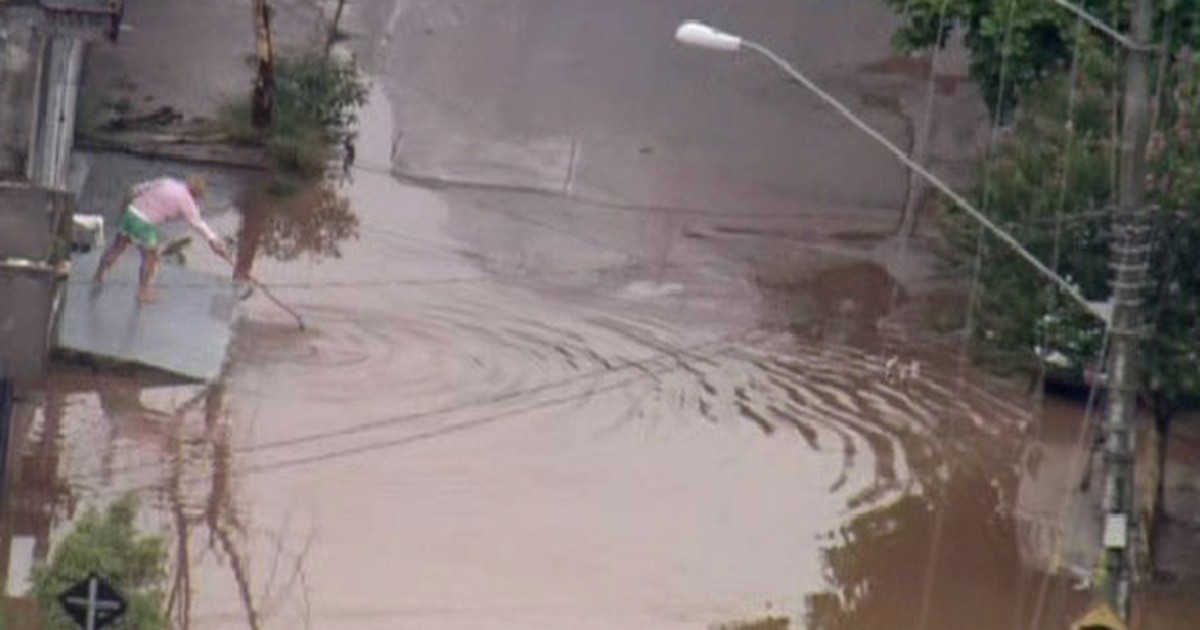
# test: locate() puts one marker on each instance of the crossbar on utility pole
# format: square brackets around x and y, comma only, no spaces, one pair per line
[1129,255]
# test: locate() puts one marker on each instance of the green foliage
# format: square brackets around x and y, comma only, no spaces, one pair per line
[1042,184]
[234,121]
[108,544]
[1038,35]
[1173,353]
[1049,188]
[316,94]
[316,100]
[315,108]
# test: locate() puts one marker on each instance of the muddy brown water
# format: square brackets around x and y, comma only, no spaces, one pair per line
[446,449]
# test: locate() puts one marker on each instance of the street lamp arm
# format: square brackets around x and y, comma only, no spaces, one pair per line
[1099,25]
[958,199]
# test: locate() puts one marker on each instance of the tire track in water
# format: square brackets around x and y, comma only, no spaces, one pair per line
[432,358]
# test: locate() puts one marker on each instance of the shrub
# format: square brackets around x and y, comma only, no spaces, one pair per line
[108,544]
[315,108]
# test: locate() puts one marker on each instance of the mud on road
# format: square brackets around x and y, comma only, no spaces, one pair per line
[521,408]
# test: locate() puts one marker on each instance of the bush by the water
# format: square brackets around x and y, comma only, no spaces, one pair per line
[316,101]
[109,544]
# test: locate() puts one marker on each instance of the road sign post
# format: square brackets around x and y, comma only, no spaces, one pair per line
[93,603]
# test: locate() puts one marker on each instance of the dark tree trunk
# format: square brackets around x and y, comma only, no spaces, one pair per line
[333,28]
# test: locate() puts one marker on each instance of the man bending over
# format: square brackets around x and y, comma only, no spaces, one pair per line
[152,204]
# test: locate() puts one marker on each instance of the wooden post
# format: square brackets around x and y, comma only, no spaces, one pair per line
[264,81]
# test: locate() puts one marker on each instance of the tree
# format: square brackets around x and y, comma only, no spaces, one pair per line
[109,544]
[1051,184]
[1173,352]
[1040,37]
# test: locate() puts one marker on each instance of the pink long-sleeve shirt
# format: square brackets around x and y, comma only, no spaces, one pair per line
[167,199]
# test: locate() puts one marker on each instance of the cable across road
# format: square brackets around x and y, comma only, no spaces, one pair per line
[1066,287]
[522,400]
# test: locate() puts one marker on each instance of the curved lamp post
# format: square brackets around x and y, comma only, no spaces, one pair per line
[699,35]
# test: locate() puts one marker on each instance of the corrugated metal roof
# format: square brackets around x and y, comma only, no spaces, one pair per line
[186,332]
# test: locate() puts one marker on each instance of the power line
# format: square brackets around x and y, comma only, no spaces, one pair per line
[646,365]
[958,199]
[1099,25]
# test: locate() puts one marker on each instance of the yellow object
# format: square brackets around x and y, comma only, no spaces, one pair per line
[197,185]
[1100,617]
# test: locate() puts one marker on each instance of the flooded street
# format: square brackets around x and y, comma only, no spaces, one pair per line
[606,444]
[612,377]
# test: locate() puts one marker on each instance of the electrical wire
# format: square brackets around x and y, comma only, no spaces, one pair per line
[1099,25]
[644,365]
[935,542]
[985,202]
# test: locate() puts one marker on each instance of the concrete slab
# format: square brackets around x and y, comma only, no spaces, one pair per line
[187,332]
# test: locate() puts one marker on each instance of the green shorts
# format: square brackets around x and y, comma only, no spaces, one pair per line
[139,229]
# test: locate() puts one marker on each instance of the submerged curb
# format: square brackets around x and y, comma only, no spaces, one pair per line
[178,148]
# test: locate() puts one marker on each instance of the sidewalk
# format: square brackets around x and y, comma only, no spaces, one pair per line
[186,55]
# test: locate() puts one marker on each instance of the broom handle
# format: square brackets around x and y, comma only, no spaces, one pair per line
[270,296]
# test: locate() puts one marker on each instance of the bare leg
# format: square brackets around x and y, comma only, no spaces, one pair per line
[110,256]
[147,295]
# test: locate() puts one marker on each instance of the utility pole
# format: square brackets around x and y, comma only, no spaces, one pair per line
[1130,256]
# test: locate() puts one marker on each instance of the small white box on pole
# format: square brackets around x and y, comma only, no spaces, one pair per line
[1116,531]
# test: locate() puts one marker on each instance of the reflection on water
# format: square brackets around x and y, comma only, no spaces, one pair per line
[921,470]
[501,457]
[313,220]
[946,561]
[85,440]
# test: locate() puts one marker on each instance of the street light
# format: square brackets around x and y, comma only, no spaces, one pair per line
[694,33]
[699,35]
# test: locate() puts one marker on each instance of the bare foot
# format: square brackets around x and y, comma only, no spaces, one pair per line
[147,296]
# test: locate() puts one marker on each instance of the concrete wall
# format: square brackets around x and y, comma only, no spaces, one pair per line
[20,51]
